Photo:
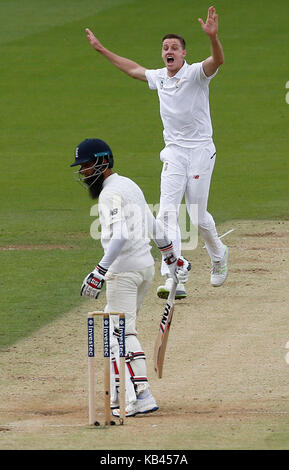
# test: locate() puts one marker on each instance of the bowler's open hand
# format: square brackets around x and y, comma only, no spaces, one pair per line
[211,25]
[93,40]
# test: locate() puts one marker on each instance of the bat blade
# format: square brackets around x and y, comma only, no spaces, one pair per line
[163,334]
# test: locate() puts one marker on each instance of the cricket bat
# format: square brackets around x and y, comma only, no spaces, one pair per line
[163,334]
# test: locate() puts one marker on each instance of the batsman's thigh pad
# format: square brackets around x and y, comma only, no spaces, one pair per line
[121,295]
[125,293]
[148,275]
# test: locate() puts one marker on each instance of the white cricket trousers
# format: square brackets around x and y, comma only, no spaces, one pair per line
[187,172]
[125,293]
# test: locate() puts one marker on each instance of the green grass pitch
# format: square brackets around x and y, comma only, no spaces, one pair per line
[56,91]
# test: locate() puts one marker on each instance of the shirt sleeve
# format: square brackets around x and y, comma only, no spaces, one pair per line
[151,76]
[115,245]
[110,208]
[203,76]
[197,73]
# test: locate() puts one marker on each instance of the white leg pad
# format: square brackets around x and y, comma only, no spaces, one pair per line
[136,362]
[130,395]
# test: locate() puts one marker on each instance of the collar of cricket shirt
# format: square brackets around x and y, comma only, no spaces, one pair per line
[179,74]
[109,179]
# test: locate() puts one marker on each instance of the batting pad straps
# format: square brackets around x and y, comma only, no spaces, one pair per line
[135,361]
[115,368]
[132,356]
[130,360]
[139,380]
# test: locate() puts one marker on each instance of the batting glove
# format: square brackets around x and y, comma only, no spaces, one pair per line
[183,269]
[170,259]
[93,283]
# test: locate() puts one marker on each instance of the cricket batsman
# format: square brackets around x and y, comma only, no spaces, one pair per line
[127,266]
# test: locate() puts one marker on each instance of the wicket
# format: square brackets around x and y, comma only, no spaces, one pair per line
[106,354]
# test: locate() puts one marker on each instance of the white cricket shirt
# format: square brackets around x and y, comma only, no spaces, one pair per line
[184,104]
[121,200]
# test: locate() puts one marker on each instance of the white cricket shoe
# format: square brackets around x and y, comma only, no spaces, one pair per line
[163,291]
[140,406]
[219,270]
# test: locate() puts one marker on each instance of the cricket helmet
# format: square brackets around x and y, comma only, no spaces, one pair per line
[93,150]
[99,154]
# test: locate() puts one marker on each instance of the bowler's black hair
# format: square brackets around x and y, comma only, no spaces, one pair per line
[175,36]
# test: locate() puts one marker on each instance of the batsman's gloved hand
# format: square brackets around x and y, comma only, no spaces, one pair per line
[179,267]
[170,259]
[93,283]
[183,269]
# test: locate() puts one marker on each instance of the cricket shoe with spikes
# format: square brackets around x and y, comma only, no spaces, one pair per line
[219,270]
[163,291]
[144,404]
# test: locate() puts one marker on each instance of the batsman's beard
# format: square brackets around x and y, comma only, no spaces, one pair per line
[94,186]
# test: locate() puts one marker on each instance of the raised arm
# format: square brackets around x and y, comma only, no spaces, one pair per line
[127,66]
[211,64]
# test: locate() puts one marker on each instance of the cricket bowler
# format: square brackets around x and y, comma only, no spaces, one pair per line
[189,154]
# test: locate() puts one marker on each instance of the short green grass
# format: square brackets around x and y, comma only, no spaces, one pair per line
[56,91]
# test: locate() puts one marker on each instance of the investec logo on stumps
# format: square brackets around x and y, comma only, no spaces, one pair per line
[106,351]
[90,330]
[165,317]
[122,337]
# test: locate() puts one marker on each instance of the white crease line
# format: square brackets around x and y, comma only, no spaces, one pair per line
[224,234]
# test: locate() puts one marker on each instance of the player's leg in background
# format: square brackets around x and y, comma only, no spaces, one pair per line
[197,192]
[173,183]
